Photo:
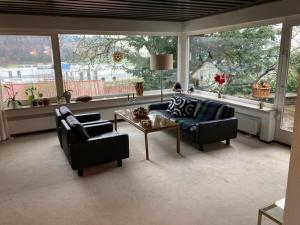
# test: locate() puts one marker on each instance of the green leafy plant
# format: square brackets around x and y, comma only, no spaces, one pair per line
[67,92]
[32,94]
[67,95]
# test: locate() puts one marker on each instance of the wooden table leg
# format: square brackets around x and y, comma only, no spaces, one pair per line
[116,122]
[178,139]
[146,146]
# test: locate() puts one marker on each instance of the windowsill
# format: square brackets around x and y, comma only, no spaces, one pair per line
[231,102]
[138,100]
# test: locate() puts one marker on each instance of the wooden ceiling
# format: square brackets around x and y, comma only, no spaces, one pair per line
[165,10]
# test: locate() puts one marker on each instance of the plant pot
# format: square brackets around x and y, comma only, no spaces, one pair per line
[35,102]
[12,104]
[139,88]
[68,96]
[46,101]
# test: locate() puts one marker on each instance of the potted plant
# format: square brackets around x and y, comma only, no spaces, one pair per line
[31,94]
[11,100]
[220,80]
[67,95]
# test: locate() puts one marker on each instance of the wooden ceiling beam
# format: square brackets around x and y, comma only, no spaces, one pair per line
[169,10]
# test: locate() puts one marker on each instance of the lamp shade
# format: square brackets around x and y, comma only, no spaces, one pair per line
[161,62]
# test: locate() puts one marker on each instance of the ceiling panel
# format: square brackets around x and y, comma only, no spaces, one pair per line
[167,10]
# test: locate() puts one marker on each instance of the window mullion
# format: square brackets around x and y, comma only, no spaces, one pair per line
[57,64]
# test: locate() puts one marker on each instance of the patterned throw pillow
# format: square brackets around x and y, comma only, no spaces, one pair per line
[189,108]
[179,104]
[171,105]
[184,107]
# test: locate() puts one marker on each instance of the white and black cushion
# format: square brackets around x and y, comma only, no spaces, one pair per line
[184,107]
[179,104]
[189,108]
[171,105]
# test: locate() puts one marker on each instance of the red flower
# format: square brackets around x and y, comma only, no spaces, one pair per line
[220,78]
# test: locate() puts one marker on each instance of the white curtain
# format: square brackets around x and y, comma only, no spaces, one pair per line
[4,131]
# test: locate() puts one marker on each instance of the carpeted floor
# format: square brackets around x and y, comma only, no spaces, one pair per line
[222,186]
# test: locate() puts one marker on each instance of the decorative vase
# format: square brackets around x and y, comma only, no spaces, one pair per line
[139,88]
[67,95]
[12,104]
[35,102]
[46,101]
[219,95]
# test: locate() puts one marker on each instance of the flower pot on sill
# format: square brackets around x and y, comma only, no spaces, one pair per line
[35,102]
[12,104]
[139,88]
[46,101]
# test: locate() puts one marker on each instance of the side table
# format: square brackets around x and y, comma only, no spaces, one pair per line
[273,212]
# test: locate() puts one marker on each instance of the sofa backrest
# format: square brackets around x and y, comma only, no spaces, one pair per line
[78,132]
[224,112]
[65,112]
[61,113]
[208,110]
[212,110]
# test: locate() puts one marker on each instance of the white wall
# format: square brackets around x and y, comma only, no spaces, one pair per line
[278,9]
[292,209]
[76,24]
[265,12]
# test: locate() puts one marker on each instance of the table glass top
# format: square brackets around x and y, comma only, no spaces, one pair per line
[152,122]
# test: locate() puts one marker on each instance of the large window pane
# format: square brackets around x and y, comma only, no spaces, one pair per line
[26,61]
[291,87]
[245,56]
[98,65]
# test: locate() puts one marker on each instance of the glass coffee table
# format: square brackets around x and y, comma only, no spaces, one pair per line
[273,212]
[158,123]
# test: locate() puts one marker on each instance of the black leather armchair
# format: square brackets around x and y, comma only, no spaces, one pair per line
[102,145]
[84,119]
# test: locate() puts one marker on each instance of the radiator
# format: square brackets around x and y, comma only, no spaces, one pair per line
[248,124]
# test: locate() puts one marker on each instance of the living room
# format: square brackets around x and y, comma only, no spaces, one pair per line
[149,112]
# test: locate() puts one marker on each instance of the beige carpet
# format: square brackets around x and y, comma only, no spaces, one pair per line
[222,186]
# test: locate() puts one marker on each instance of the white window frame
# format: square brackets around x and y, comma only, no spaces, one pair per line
[230,28]
[51,35]
[54,37]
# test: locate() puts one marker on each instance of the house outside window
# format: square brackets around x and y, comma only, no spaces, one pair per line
[245,56]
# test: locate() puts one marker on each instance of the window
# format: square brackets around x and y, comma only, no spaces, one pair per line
[245,56]
[98,65]
[26,61]
[292,82]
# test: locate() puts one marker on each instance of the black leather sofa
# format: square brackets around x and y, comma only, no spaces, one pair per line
[205,121]
[93,144]
[84,119]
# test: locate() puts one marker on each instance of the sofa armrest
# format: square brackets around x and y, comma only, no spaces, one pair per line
[110,142]
[98,129]
[95,122]
[217,130]
[87,117]
[105,148]
[159,106]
